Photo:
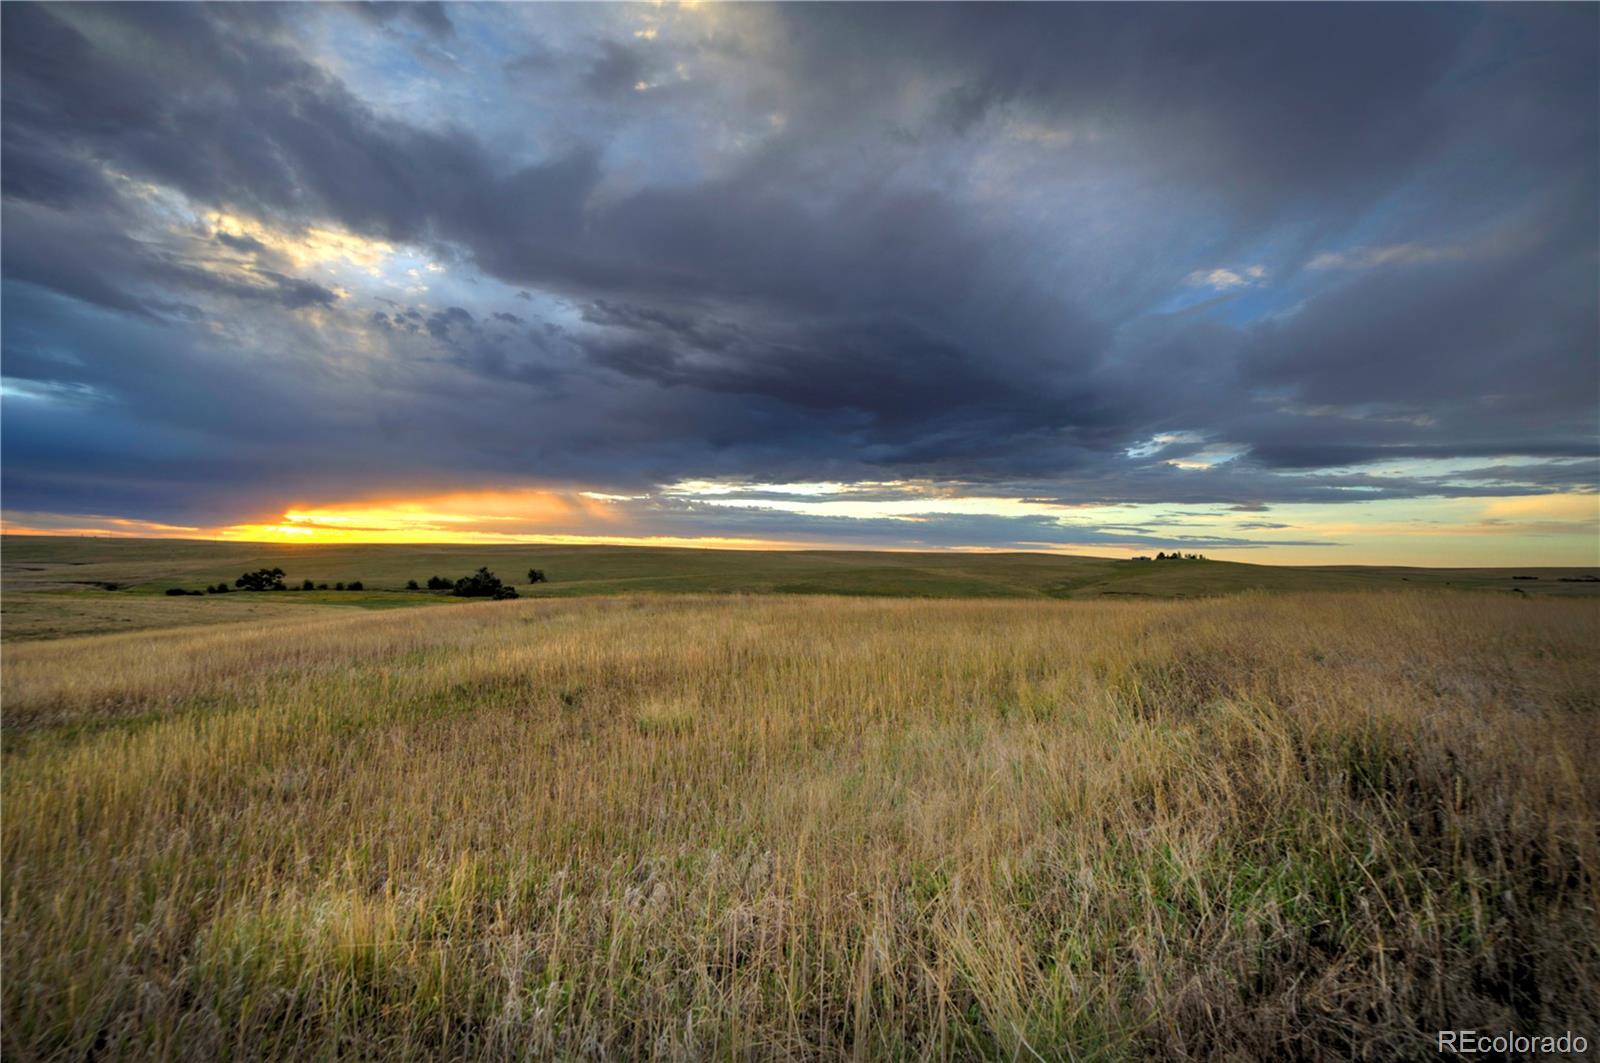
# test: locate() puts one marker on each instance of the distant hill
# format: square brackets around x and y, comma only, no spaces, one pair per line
[149,566]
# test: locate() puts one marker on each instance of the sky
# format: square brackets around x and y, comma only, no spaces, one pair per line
[1287,284]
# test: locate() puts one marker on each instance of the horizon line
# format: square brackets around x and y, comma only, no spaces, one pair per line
[776,547]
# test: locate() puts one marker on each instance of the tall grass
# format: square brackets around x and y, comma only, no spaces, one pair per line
[1316,826]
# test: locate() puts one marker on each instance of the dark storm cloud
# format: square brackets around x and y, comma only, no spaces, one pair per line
[1519,326]
[439,324]
[942,530]
[946,247]
[891,371]
[617,70]
[1318,456]
[218,104]
[240,243]
[81,253]
[431,17]
[1267,99]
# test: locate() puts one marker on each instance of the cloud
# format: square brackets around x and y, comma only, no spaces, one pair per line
[1373,257]
[440,323]
[428,16]
[241,242]
[902,279]
[1224,279]
[619,68]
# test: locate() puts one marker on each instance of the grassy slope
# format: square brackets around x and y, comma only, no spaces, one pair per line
[54,615]
[1265,826]
[31,563]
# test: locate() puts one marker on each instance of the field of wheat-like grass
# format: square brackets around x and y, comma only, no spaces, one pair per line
[1257,827]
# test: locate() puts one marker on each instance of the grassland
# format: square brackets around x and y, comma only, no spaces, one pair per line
[1315,825]
[36,571]
[59,614]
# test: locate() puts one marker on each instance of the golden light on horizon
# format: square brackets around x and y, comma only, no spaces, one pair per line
[487,517]
[508,515]
[1555,528]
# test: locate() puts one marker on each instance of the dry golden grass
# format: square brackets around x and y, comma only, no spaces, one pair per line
[1315,826]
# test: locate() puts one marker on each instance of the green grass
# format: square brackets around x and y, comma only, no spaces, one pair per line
[144,567]
[69,614]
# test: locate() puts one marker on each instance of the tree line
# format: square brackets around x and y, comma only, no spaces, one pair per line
[480,584]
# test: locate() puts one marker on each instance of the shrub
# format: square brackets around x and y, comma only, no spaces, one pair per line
[355,586]
[481,584]
[262,579]
[504,592]
[307,585]
[439,583]
[536,575]
[411,585]
[338,586]
[322,586]
[175,591]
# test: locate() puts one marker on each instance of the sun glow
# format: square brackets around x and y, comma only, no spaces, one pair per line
[1546,529]
[515,515]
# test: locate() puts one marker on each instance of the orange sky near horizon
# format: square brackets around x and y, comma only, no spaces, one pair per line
[1552,529]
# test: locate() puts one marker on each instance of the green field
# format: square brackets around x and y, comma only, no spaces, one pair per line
[58,586]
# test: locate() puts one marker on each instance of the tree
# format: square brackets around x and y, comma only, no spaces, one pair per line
[536,575]
[439,583]
[338,586]
[307,585]
[355,586]
[481,584]
[411,585]
[262,579]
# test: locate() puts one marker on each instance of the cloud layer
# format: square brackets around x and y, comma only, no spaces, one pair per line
[1230,257]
